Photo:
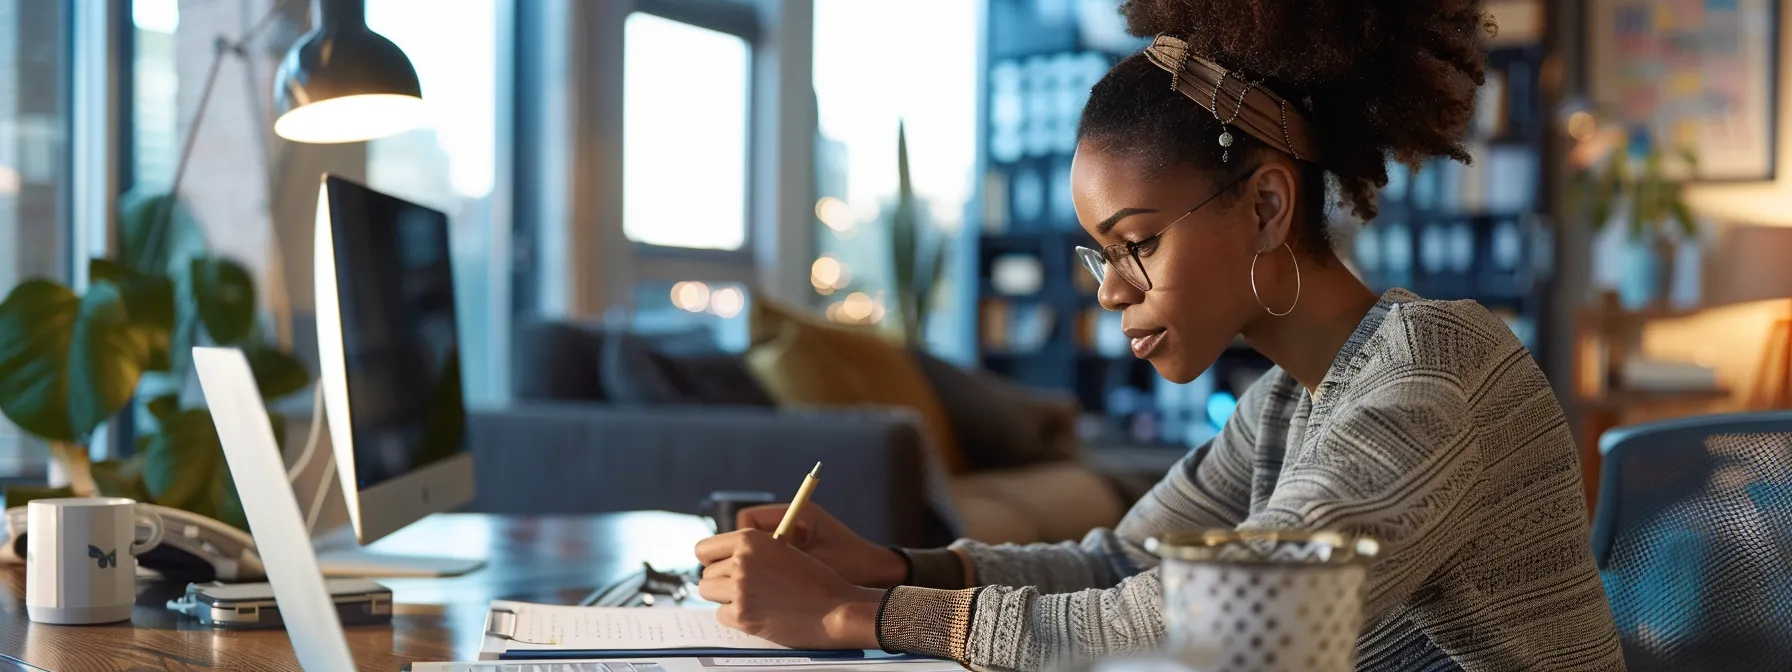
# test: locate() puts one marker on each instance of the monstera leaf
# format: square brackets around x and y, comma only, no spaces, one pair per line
[183,465]
[19,495]
[226,297]
[164,406]
[157,234]
[277,374]
[121,478]
[67,362]
[148,301]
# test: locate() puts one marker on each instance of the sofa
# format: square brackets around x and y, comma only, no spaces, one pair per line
[605,419]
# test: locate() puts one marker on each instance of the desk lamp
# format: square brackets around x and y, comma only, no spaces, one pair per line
[342,82]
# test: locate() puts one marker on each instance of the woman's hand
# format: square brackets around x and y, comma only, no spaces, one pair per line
[770,590]
[833,543]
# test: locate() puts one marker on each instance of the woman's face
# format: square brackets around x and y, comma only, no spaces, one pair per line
[1199,269]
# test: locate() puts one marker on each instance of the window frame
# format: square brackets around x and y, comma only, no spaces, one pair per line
[739,18]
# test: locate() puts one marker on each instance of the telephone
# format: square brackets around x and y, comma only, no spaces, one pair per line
[194,548]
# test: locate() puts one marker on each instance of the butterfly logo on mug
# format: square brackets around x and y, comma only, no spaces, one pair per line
[106,559]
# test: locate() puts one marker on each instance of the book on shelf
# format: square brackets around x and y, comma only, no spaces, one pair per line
[1014,327]
[1491,108]
[995,202]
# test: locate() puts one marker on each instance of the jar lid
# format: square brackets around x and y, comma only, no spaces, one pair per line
[1264,547]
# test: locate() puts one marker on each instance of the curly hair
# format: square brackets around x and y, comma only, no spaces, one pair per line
[1379,80]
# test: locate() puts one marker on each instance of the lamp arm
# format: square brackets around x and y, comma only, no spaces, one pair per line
[221,47]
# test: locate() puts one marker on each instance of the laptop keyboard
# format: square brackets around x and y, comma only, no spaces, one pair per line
[558,666]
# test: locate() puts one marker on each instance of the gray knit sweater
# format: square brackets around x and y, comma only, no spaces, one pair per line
[1433,432]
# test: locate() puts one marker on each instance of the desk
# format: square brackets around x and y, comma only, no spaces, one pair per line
[555,559]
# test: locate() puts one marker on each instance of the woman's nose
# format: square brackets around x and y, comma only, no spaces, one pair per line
[1115,292]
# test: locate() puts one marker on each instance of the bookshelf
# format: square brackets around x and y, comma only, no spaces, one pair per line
[1479,231]
[1446,232]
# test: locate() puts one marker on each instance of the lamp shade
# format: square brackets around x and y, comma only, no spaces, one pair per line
[1754,265]
[343,82]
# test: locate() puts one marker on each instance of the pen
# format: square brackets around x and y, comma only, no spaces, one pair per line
[796,504]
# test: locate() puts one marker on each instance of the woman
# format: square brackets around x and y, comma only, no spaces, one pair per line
[1202,169]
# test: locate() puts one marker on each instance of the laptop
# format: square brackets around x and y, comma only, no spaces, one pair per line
[273,512]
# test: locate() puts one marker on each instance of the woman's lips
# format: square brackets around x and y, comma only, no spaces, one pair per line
[1144,345]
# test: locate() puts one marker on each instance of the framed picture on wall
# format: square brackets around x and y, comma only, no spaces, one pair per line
[1699,74]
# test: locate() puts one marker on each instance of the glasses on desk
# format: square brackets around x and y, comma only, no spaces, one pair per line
[644,589]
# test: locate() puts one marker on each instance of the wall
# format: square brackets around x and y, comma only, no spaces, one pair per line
[1730,339]
[254,195]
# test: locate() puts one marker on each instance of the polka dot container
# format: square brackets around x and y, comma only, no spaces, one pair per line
[1249,601]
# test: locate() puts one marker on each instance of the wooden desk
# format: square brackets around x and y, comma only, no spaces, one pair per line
[541,559]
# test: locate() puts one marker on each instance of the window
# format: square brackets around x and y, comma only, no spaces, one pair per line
[685,125]
[154,83]
[862,93]
[33,168]
[715,313]
[450,164]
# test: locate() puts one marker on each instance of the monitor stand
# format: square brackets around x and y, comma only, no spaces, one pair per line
[339,555]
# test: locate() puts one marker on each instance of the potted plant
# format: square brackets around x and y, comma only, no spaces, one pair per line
[1625,176]
[70,362]
[917,268]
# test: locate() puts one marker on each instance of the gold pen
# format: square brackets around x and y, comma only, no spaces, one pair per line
[796,504]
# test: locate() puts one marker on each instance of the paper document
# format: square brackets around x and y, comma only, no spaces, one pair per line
[622,628]
[668,665]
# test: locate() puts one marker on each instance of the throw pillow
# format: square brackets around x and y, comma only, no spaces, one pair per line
[633,374]
[720,378]
[556,361]
[637,371]
[999,424]
[804,362]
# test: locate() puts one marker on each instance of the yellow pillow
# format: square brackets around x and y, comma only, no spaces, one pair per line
[802,361]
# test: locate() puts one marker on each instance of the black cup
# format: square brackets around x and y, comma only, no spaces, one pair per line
[723,505]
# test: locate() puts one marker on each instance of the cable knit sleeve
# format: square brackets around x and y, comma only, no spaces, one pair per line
[1042,604]
[1209,488]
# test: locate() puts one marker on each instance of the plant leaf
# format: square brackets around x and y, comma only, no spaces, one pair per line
[149,302]
[277,374]
[186,324]
[108,354]
[905,240]
[19,495]
[157,234]
[121,478]
[163,406]
[1689,226]
[67,363]
[278,423]
[1691,158]
[37,321]
[183,465]
[226,299]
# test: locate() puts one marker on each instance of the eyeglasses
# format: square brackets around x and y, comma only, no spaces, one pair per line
[1125,256]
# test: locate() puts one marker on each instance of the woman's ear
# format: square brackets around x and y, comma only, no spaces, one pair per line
[1272,189]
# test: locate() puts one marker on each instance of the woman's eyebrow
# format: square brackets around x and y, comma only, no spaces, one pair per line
[1107,225]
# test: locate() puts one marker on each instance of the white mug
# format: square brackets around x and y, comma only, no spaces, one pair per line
[81,558]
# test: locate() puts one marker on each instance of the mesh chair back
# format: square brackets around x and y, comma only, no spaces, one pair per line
[1694,542]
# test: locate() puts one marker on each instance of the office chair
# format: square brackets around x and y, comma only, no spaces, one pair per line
[1693,538]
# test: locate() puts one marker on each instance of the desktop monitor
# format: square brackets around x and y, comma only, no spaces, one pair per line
[389,358]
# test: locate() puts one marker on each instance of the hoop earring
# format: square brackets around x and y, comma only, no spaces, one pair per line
[1254,292]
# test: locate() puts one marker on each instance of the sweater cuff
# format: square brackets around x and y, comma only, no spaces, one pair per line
[942,568]
[926,621]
